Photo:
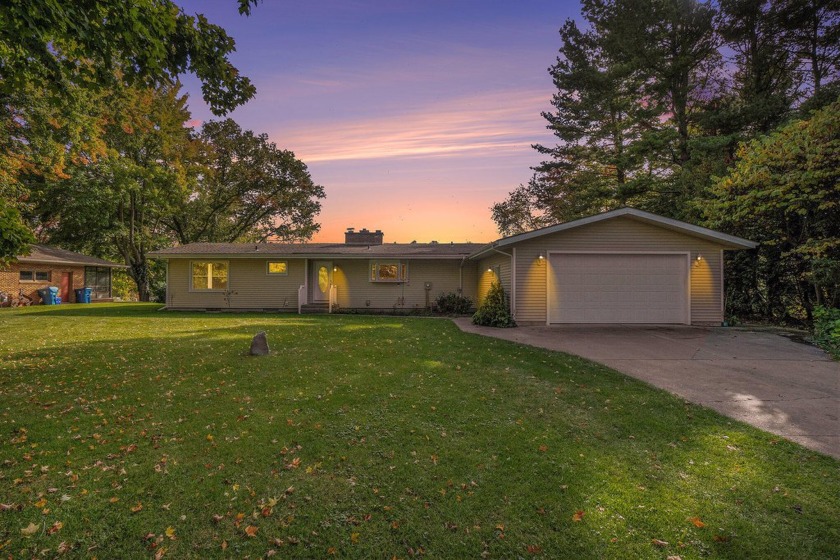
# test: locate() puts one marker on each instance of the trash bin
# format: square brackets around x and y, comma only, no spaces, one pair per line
[83,295]
[56,299]
[47,295]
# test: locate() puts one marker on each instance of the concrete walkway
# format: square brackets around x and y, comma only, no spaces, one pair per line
[785,387]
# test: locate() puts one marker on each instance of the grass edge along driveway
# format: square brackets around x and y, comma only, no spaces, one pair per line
[132,433]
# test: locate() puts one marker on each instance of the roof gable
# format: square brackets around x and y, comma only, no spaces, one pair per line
[726,240]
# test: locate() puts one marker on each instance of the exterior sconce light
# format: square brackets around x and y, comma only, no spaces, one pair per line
[699,257]
[335,269]
[490,269]
[541,257]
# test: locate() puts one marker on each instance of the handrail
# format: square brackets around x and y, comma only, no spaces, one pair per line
[301,297]
[333,296]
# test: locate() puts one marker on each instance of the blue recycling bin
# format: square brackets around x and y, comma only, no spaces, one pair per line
[55,297]
[83,295]
[48,295]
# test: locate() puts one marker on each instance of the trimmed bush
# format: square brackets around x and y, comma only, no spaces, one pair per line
[453,304]
[827,329]
[494,312]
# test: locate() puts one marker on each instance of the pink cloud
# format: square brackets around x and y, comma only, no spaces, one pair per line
[491,123]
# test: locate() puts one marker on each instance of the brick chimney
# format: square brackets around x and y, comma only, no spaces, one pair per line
[363,237]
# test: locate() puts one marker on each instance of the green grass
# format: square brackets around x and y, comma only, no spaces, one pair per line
[371,437]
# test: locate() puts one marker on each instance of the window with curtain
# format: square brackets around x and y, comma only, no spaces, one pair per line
[388,271]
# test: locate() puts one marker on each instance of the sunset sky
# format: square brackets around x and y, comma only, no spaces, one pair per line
[415,116]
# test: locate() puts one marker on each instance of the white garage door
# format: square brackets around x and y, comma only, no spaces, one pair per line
[618,288]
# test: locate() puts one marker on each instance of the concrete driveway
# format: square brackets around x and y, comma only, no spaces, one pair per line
[785,387]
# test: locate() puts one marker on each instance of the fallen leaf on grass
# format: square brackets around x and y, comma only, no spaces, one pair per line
[578,516]
[55,528]
[251,531]
[224,545]
[533,549]
[41,503]
[295,463]
[659,543]
[354,538]
[721,538]
[160,552]
[137,508]
[29,530]
[543,448]
[170,532]
[217,517]
[697,522]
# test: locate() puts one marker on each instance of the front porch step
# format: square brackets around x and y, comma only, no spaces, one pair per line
[313,308]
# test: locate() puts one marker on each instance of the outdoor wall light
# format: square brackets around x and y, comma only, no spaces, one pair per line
[699,257]
[541,257]
[335,269]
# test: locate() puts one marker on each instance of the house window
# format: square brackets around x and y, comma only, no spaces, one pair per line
[34,275]
[280,268]
[209,275]
[98,279]
[388,271]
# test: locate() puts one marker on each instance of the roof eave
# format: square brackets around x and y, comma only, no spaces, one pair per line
[165,256]
[36,260]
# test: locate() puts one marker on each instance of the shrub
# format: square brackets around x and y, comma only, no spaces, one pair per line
[453,304]
[123,286]
[827,329]
[494,312]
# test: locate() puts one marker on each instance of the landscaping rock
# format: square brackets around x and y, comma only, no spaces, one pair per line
[259,346]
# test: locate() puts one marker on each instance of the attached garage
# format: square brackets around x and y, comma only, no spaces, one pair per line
[626,266]
[618,288]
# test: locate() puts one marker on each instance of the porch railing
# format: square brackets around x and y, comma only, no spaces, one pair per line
[301,297]
[333,297]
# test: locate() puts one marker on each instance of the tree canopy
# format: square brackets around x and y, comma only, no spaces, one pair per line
[63,47]
[159,183]
[784,191]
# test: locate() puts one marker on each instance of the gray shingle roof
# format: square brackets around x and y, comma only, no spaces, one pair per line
[44,254]
[309,250]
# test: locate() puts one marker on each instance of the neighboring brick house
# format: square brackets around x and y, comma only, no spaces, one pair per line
[66,270]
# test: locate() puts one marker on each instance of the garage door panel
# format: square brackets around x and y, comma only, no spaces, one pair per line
[618,288]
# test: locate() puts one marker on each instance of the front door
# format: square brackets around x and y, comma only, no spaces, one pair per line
[321,281]
[66,287]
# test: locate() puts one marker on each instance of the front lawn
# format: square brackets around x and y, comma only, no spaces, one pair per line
[127,432]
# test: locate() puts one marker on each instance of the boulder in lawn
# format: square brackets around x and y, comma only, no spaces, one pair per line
[259,346]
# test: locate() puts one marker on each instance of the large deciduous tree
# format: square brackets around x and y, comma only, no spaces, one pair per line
[116,205]
[249,190]
[784,192]
[59,59]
